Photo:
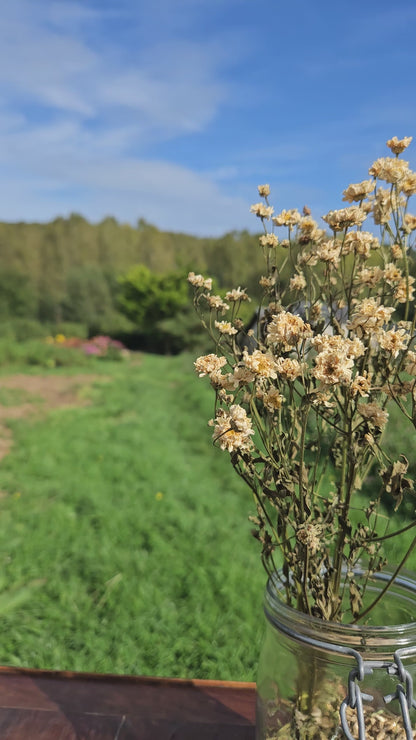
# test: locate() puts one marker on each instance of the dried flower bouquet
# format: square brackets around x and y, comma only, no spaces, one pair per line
[302,401]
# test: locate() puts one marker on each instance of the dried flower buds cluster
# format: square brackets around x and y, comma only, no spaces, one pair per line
[305,393]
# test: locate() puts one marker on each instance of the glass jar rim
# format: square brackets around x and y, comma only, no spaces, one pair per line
[359,636]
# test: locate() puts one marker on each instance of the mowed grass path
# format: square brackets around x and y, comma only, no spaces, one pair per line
[137,528]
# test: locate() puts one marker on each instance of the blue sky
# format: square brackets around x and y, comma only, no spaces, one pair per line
[175,110]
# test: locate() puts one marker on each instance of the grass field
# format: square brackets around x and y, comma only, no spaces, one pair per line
[136,529]
[127,530]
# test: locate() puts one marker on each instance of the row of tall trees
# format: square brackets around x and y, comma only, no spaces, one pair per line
[70,270]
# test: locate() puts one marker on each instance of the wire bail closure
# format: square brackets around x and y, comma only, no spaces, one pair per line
[355,697]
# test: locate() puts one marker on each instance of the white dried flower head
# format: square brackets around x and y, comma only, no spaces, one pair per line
[393,340]
[373,414]
[233,429]
[243,375]
[382,206]
[369,316]
[310,534]
[216,303]
[410,222]
[297,282]
[285,243]
[267,283]
[397,146]
[288,368]
[332,367]
[360,242]
[264,190]
[351,348]
[392,274]
[287,218]
[404,290]
[260,363]
[225,382]
[389,169]
[329,252]
[269,240]
[225,327]
[370,276]
[273,400]
[361,385]
[308,230]
[198,281]
[344,218]
[262,211]
[358,191]
[287,330]
[396,251]
[408,184]
[237,294]
[207,364]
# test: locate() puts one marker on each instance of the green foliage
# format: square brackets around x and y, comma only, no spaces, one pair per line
[147,298]
[87,296]
[40,354]
[17,295]
[22,329]
[47,256]
[183,332]
[69,329]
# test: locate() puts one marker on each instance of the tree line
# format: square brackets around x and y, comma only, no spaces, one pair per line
[70,270]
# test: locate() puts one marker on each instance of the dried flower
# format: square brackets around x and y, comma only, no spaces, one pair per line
[345,218]
[310,535]
[199,282]
[307,393]
[368,316]
[408,184]
[359,242]
[332,368]
[215,302]
[287,218]
[393,341]
[208,364]
[359,191]
[361,385]
[260,363]
[225,327]
[297,282]
[269,240]
[389,169]
[375,415]
[287,330]
[233,429]
[398,146]
[262,211]
[273,400]
[264,190]
[237,294]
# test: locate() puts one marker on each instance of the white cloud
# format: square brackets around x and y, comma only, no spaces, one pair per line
[77,118]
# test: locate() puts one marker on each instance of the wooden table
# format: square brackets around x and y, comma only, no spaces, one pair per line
[49,705]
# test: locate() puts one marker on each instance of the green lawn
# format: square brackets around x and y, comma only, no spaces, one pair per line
[137,528]
[132,530]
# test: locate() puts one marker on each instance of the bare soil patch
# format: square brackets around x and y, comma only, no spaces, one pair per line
[37,393]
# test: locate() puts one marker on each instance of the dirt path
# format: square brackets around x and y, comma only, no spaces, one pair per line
[25,395]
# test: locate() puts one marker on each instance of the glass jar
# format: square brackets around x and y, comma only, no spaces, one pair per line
[323,680]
